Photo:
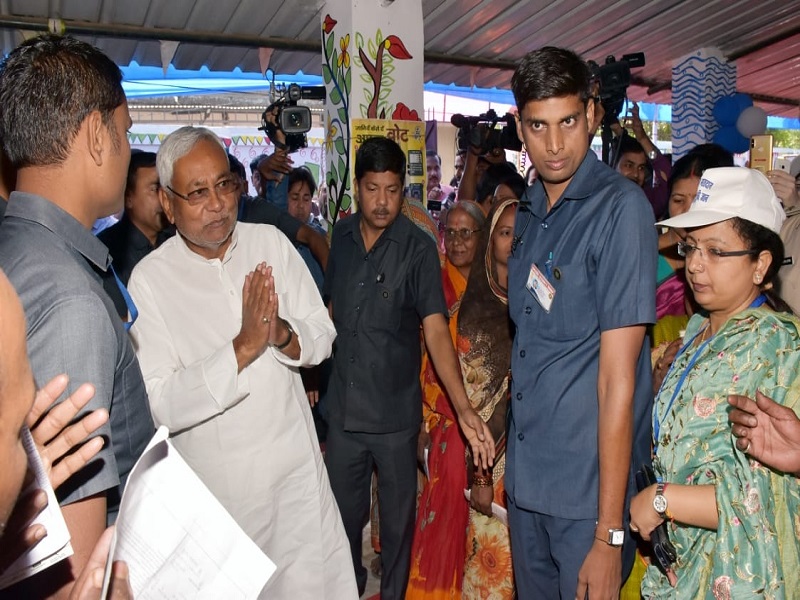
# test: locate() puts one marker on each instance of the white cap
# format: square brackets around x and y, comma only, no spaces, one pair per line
[728,192]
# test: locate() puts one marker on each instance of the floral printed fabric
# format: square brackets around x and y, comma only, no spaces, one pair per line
[754,551]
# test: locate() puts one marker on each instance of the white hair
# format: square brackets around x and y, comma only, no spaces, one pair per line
[177,145]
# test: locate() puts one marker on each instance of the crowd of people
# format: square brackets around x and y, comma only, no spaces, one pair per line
[483,384]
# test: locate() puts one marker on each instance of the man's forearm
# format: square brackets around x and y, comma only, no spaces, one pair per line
[445,361]
[616,384]
[614,439]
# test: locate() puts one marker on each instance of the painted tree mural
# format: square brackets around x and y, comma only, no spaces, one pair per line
[376,57]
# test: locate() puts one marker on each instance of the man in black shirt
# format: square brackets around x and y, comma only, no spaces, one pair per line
[383,281]
[135,235]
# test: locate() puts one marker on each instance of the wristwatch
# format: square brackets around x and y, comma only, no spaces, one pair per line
[615,537]
[288,337]
[660,501]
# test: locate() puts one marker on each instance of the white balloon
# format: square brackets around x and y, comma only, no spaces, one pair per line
[752,121]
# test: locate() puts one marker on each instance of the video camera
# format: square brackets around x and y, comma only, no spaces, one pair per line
[293,120]
[614,78]
[482,132]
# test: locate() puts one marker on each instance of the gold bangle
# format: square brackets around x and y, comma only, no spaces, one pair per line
[482,481]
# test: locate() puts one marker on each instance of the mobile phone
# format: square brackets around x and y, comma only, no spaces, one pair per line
[761,152]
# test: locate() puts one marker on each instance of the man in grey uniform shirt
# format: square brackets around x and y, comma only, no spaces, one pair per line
[63,123]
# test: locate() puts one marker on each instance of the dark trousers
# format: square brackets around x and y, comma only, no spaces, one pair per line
[350,458]
[548,552]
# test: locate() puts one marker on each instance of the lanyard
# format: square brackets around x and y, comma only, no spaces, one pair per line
[658,422]
[134,312]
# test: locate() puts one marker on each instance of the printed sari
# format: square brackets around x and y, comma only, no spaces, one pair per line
[755,550]
[437,553]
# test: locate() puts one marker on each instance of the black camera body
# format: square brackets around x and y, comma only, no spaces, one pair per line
[615,77]
[482,132]
[293,120]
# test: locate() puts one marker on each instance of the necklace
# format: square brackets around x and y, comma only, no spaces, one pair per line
[705,335]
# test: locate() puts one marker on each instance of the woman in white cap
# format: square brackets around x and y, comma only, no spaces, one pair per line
[730,518]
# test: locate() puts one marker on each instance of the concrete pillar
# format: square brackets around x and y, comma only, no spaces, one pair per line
[372,65]
[699,79]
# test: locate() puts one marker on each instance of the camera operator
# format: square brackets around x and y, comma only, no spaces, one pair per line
[634,154]
[475,165]
[273,168]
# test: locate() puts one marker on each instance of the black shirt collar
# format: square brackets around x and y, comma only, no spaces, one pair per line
[395,232]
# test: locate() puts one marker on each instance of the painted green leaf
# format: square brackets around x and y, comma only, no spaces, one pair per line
[387,81]
[334,96]
[347,201]
[359,40]
[339,145]
[362,109]
[341,168]
[343,116]
[348,82]
[385,92]
[326,74]
[329,45]
[378,37]
[388,68]
[366,78]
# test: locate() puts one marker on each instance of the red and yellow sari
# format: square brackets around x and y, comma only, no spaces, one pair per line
[440,534]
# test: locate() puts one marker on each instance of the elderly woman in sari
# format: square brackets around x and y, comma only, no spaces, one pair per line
[437,554]
[484,351]
[730,517]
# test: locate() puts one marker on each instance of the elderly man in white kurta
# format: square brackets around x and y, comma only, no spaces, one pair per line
[227,314]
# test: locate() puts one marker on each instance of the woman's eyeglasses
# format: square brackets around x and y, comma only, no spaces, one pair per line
[711,255]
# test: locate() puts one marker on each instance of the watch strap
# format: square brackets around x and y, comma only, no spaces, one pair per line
[288,337]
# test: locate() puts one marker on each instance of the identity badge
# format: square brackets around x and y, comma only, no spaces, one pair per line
[540,288]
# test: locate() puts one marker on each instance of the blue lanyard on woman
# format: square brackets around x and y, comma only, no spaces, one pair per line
[658,422]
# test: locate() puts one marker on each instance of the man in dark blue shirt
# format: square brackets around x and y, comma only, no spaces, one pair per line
[383,281]
[581,292]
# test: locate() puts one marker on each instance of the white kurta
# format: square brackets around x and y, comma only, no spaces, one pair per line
[249,436]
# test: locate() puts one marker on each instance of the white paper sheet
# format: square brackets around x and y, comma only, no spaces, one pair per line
[500,513]
[178,540]
[55,546]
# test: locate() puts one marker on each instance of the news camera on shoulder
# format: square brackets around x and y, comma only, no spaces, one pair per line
[285,115]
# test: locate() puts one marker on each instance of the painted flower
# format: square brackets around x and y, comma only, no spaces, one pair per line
[752,504]
[331,137]
[722,587]
[329,24]
[703,407]
[396,47]
[344,55]
[403,113]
